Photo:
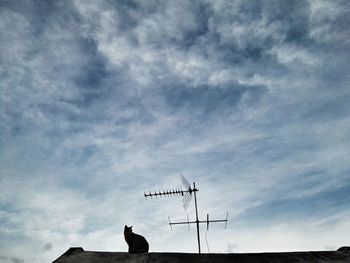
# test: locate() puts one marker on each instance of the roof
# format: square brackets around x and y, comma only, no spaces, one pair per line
[78,254]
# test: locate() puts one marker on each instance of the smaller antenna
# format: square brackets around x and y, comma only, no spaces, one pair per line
[171,228]
[207,222]
[188,222]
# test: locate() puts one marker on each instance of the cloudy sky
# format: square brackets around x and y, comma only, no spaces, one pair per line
[103,100]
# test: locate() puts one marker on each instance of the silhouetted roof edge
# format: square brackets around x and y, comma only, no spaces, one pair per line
[78,254]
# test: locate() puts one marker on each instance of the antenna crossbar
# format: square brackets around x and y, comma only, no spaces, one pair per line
[199,221]
[175,192]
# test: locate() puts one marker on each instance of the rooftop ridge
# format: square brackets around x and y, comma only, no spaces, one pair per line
[78,254]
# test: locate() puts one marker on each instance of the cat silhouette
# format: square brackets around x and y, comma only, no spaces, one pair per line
[136,243]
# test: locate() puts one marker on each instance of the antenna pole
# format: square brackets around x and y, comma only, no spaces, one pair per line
[197,221]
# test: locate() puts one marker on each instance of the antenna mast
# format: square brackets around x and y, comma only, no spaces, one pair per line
[187,197]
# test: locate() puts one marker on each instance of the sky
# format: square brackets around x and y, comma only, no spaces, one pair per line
[101,101]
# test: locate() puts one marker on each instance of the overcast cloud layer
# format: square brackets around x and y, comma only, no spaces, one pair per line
[103,100]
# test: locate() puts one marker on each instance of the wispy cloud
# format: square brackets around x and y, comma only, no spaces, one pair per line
[102,101]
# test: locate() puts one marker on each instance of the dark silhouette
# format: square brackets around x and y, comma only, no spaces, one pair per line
[136,243]
[74,255]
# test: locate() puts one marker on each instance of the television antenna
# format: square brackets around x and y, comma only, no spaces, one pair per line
[186,200]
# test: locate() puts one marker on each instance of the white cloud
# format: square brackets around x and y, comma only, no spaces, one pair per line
[326,24]
[294,56]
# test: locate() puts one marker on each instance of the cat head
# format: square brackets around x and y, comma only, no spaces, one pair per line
[127,229]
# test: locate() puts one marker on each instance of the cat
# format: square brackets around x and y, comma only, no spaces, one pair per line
[136,243]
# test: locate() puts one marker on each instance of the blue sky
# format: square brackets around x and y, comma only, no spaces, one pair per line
[103,100]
